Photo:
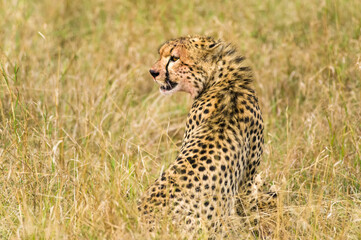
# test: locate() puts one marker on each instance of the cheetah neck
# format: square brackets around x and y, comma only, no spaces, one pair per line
[229,68]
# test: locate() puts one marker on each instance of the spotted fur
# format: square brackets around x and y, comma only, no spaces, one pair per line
[223,139]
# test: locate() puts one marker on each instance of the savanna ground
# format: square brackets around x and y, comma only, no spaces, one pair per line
[84,130]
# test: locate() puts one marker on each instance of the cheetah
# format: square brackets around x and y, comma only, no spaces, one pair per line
[223,139]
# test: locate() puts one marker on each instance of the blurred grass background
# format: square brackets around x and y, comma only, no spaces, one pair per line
[84,130]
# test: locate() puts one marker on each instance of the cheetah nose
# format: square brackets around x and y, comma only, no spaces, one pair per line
[154,73]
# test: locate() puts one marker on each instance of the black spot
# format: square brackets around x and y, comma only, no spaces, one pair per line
[238,59]
[212,168]
[244,69]
[190,160]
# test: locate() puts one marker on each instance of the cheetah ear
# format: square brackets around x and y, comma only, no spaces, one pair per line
[215,48]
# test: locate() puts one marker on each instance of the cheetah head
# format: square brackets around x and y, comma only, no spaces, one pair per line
[185,64]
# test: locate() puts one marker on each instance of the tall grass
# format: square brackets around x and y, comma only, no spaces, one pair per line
[84,130]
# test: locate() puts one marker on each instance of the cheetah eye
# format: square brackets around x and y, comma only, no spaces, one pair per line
[174,58]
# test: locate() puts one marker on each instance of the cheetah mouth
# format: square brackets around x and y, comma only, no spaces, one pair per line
[169,85]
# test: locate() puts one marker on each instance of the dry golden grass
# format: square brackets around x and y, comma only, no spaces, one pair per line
[83,129]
